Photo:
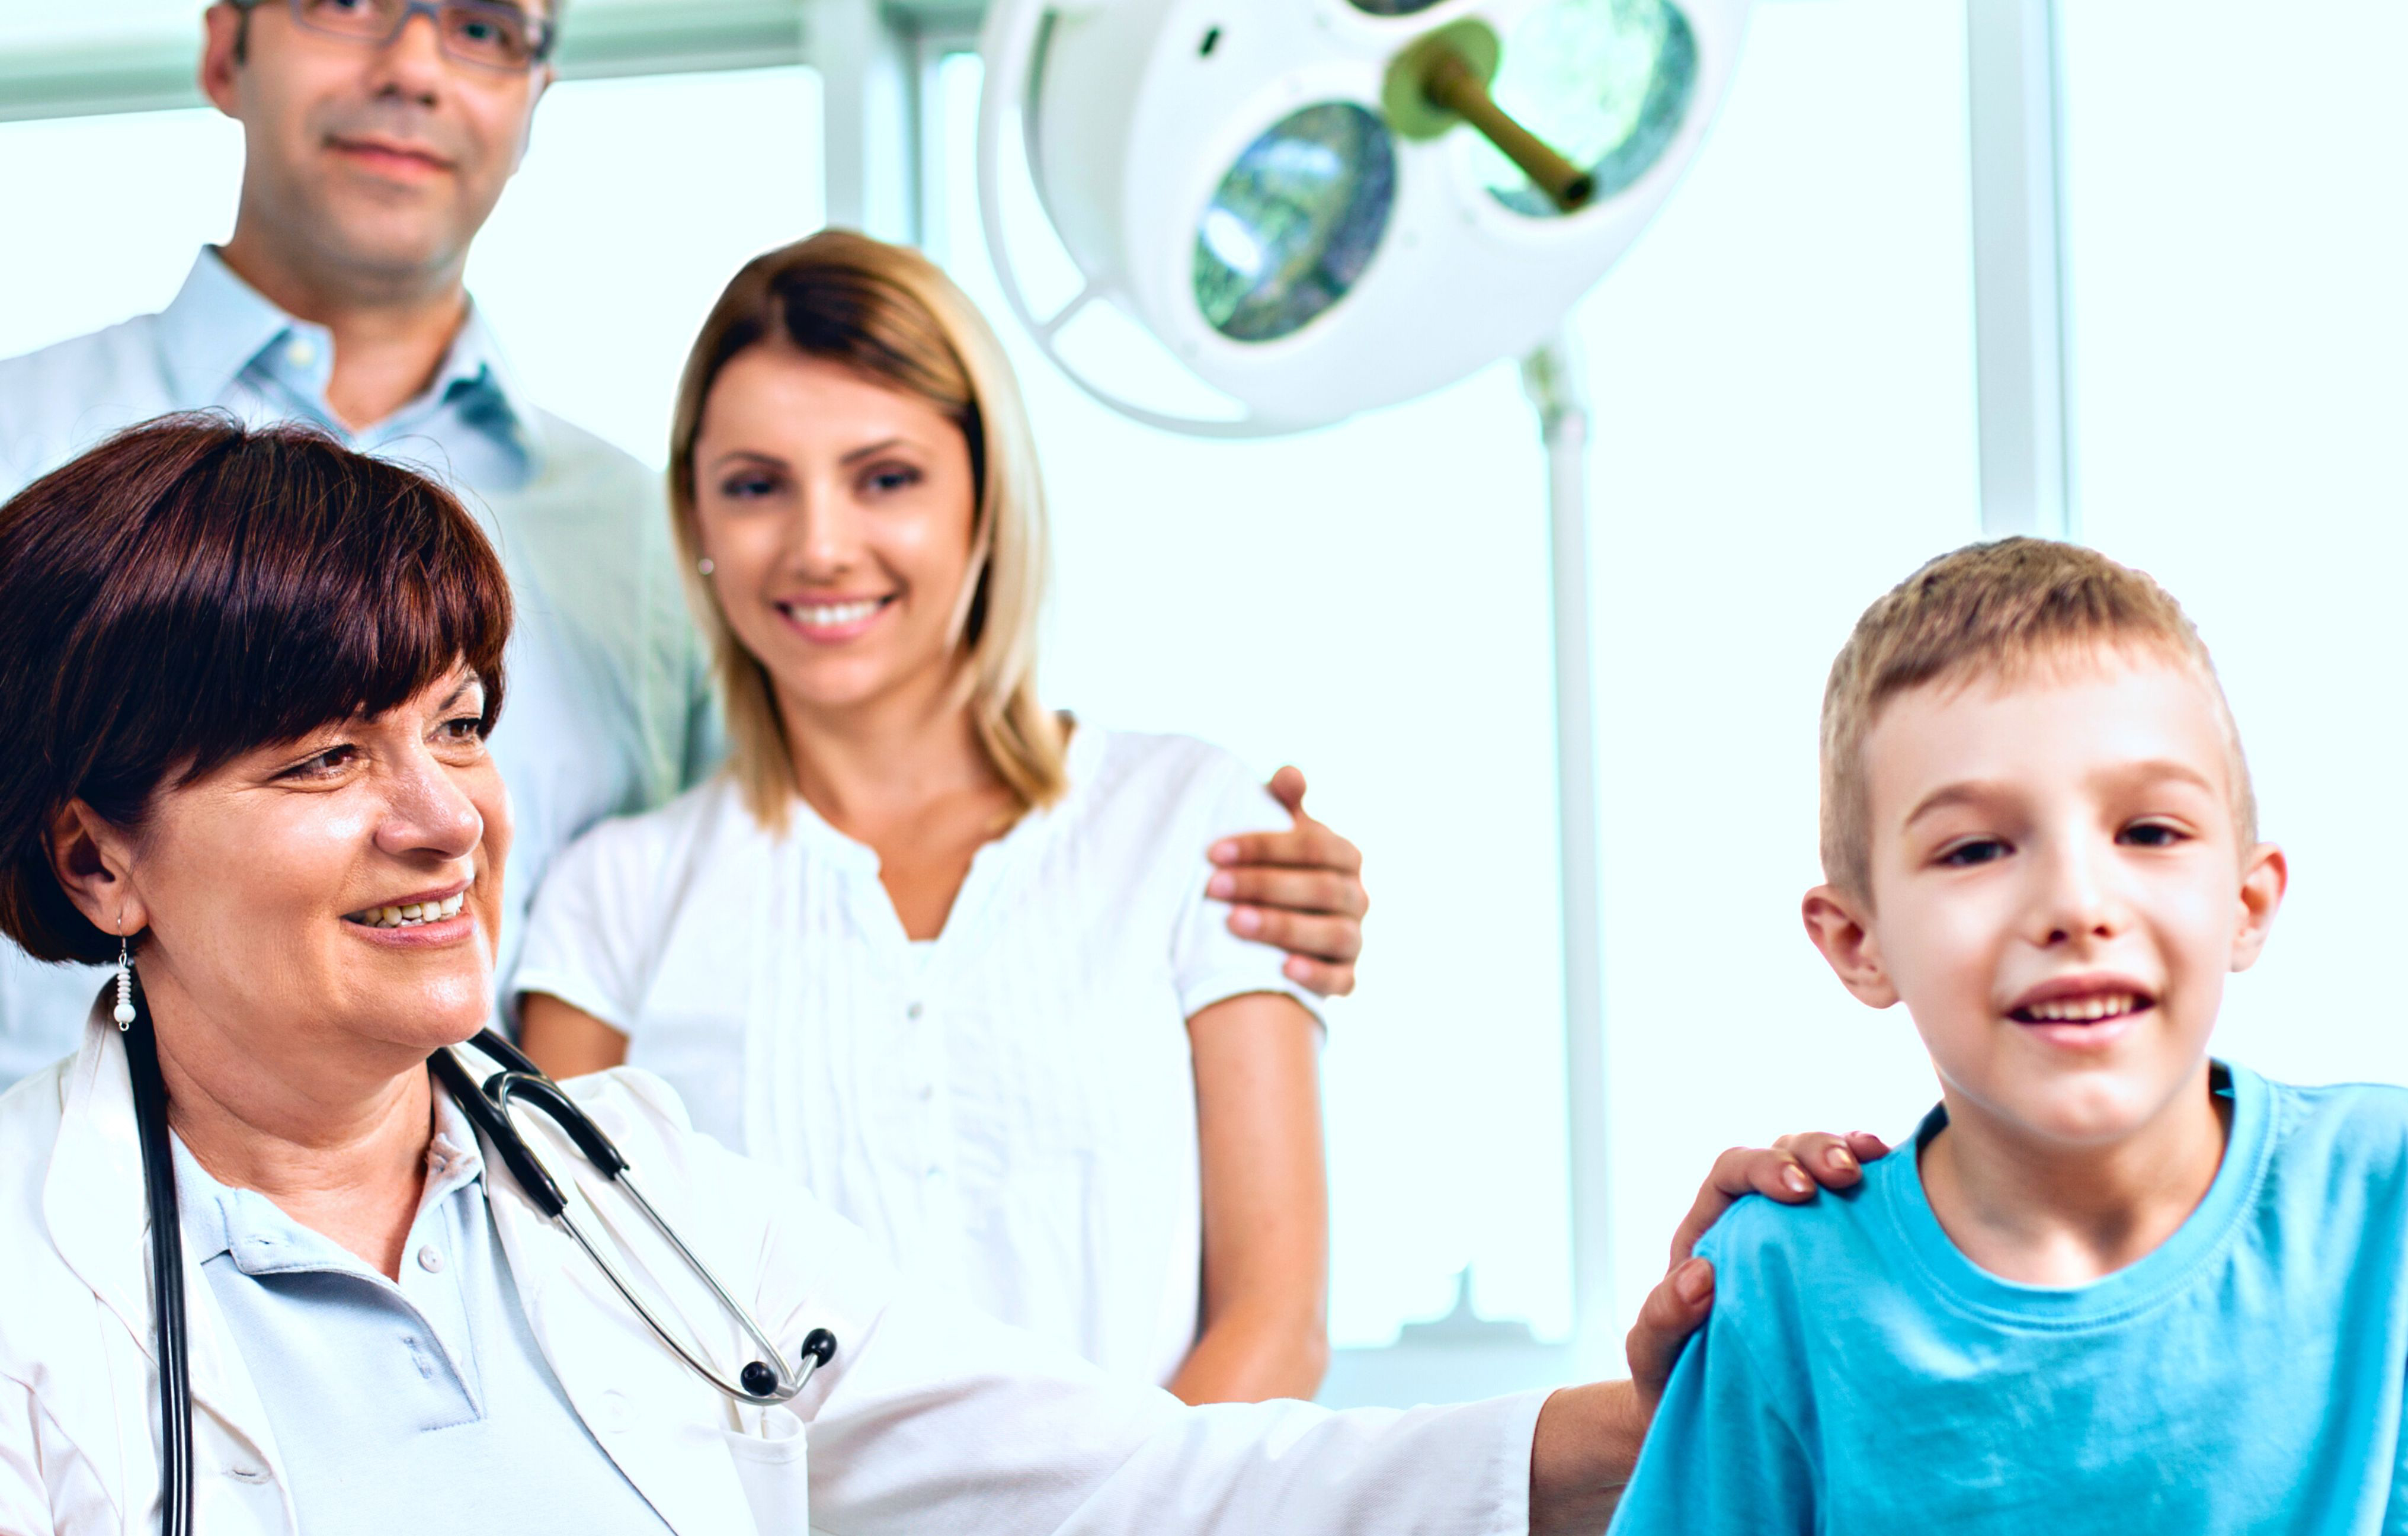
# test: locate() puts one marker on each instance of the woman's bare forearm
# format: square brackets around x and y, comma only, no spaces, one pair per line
[1266,1203]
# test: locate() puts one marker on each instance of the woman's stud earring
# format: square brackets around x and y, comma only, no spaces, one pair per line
[123,1013]
[705,566]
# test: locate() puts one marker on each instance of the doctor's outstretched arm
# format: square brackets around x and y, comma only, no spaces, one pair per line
[934,1418]
[1587,1441]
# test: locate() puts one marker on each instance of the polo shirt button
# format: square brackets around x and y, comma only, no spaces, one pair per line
[301,352]
[912,1011]
[430,1258]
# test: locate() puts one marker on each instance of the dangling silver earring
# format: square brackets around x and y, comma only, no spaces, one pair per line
[705,566]
[123,1013]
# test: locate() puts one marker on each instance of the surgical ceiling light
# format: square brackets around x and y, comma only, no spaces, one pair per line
[1322,207]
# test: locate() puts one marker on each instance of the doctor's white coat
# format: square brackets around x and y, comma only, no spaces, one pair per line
[931,1419]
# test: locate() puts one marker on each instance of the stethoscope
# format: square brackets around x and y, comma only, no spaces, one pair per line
[763,1382]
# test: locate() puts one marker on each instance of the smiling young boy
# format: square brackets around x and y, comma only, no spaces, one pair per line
[2117,1286]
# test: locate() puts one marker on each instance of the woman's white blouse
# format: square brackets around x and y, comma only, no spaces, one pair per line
[1011,1108]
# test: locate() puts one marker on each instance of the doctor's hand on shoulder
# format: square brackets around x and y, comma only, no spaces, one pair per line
[1300,890]
[1588,1437]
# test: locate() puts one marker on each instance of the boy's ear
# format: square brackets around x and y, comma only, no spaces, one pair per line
[1837,925]
[2265,875]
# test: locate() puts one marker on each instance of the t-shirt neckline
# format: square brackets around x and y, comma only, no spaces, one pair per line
[2206,1232]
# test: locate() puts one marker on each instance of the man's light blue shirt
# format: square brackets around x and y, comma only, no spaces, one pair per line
[1859,1374]
[411,1406]
[609,707]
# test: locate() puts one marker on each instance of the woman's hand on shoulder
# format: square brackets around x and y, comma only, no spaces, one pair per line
[1300,890]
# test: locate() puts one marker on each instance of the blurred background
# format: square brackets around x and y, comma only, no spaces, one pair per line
[1788,417]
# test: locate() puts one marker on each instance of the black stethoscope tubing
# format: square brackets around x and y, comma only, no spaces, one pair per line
[760,1383]
[166,1279]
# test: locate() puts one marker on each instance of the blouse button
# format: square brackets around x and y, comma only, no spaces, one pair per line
[430,1258]
[912,1011]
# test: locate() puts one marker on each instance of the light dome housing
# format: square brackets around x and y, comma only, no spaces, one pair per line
[1226,174]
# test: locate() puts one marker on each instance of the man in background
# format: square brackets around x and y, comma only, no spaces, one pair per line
[378,138]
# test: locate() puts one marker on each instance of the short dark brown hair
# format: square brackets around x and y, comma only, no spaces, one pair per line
[1999,609]
[192,590]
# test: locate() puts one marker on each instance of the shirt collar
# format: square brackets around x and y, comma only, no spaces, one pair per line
[478,383]
[213,328]
[218,327]
[257,1235]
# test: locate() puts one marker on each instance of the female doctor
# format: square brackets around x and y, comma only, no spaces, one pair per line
[247,677]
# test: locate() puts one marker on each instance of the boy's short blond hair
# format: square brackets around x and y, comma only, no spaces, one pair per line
[1991,610]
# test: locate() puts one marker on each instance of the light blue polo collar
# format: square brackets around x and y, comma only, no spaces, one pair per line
[219,327]
[213,328]
[260,1239]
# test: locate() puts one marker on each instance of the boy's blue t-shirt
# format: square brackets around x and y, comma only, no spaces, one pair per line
[1859,1376]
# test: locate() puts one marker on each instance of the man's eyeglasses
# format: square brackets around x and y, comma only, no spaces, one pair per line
[485,33]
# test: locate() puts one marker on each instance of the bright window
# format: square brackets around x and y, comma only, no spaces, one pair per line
[74,262]
[639,200]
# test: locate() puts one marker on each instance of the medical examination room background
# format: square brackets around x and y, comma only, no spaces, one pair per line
[1785,423]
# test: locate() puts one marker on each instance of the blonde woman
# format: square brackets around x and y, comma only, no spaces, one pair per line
[941,952]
